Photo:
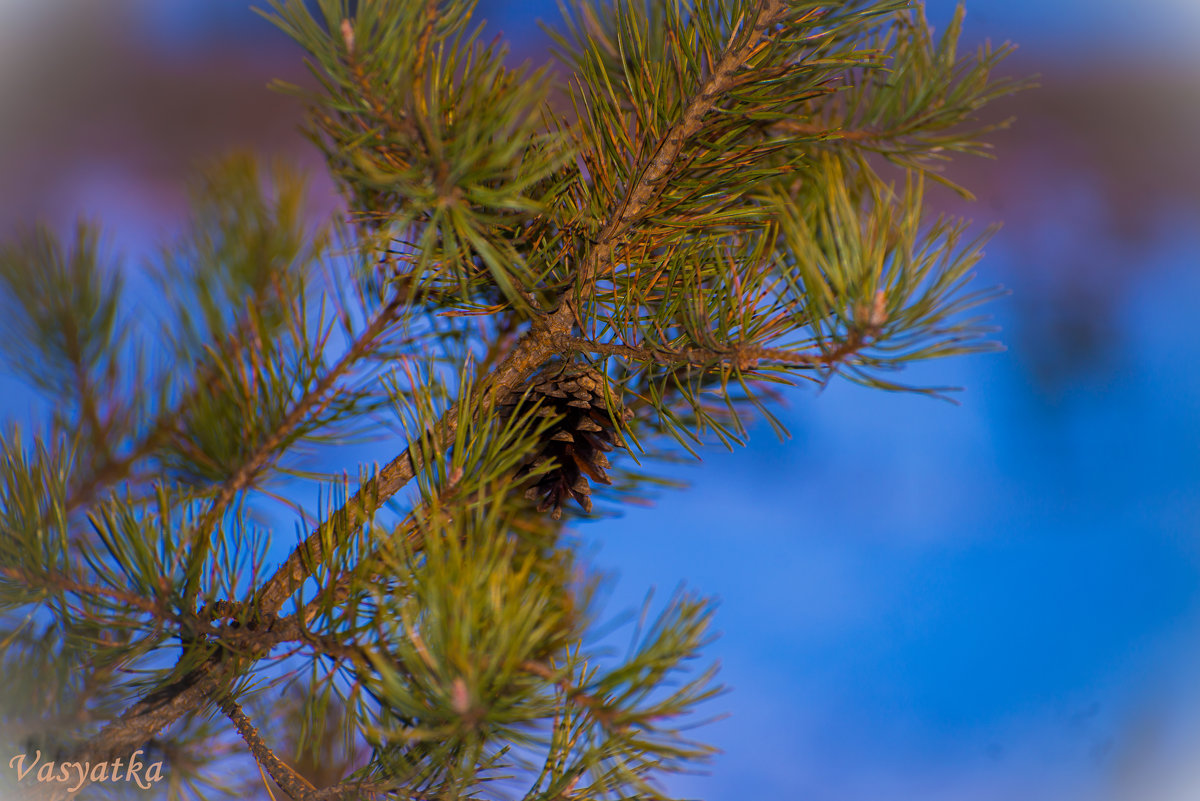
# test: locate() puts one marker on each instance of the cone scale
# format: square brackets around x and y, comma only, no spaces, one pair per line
[577,442]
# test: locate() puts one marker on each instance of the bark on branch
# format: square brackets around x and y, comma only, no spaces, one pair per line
[295,785]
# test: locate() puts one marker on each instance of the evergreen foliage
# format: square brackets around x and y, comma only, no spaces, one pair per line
[721,198]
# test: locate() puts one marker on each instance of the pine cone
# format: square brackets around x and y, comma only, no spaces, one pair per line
[577,442]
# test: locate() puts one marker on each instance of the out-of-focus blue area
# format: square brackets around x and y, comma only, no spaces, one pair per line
[927,601]
[911,589]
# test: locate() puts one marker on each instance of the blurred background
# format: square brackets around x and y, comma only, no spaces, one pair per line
[993,600]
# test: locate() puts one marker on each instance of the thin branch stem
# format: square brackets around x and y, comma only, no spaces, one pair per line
[313,401]
[69,584]
[295,785]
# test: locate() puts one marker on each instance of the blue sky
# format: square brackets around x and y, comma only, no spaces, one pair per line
[950,584]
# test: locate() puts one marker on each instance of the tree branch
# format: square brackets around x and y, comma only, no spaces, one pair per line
[165,705]
[540,342]
[319,397]
[116,468]
[68,583]
[639,194]
[295,785]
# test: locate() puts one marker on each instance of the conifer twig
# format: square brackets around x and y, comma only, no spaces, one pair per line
[295,785]
[117,468]
[539,343]
[546,337]
[313,401]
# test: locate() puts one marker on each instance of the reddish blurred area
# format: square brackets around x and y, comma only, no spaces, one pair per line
[93,86]
[91,93]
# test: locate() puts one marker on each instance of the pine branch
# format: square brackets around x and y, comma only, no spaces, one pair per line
[295,785]
[431,13]
[641,192]
[64,583]
[542,340]
[313,401]
[113,468]
[596,707]
[533,349]
[88,412]
[117,468]
[165,705]
[231,651]
[254,635]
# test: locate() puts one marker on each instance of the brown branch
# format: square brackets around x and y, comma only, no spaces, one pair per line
[295,785]
[265,635]
[533,349]
[431,15]
[117,468]
[69,584]
[90,415]
[640,193]
[162,707]
[165,705]
[318,397]
[254,635]
[356,789]
[869,324]
[113,469]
